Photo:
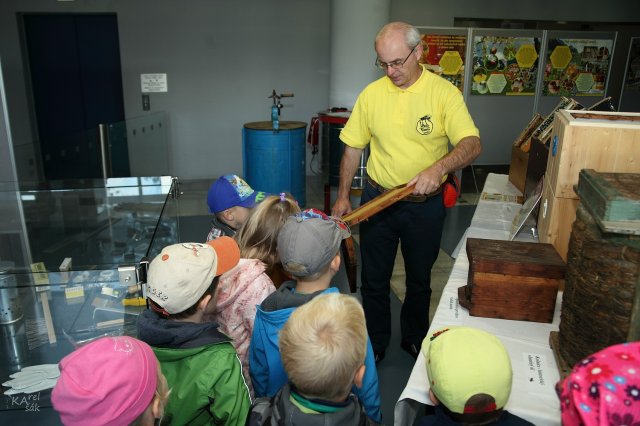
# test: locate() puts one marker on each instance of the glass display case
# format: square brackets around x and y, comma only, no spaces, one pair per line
[73,259]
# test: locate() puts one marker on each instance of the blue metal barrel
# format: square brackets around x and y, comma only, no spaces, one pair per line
[274,161]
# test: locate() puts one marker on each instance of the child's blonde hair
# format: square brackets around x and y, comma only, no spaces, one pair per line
[323,344]
[258,237]
[298,271]
[161,395]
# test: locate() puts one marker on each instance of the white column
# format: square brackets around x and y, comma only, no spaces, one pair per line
[354,25]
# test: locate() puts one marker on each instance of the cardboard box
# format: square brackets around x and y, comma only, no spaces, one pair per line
[512,280]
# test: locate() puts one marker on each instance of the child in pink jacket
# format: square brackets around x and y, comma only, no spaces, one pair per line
[244,287]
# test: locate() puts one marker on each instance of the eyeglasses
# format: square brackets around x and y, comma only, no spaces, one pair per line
[395,64]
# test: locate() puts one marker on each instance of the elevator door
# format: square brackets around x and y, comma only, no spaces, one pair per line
[74,63]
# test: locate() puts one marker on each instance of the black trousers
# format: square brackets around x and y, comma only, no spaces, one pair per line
[418,229]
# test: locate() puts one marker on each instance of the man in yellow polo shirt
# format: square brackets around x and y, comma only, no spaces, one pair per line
[408,117]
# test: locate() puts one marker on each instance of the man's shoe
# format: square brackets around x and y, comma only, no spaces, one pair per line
[378,355]
[410,348]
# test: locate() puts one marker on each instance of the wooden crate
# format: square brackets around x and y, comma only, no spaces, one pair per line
[613,199]
[512,280]
[555,218]
[603,141]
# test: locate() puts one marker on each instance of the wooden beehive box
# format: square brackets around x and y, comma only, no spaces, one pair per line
[601,300]
[603,141]
[512,280]
[555,217]
[613,199]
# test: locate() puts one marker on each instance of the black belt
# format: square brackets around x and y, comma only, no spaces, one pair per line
[411,198]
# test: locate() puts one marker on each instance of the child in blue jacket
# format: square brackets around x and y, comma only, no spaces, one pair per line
[309,249]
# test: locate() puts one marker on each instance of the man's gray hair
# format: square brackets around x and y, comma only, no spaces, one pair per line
[411,33]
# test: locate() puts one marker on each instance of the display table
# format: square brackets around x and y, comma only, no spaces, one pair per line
[535,373]
[68,266]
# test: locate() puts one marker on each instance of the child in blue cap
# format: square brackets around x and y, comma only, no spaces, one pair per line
[230,199]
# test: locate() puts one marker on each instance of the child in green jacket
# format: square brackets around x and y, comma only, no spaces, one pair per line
[199,362]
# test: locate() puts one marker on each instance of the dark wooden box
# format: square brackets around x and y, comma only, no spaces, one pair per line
[536,166]
[518,167]
[512,280]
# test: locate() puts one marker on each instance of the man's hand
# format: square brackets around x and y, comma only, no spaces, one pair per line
[341,207]
[348,164]
[427,181]
[463,154]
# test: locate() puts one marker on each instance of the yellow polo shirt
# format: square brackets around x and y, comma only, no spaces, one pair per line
[408,130]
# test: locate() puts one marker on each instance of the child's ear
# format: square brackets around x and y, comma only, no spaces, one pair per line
[157,410]
[202,305]
[433,398]
[357,379]
[228,214]
[335,263]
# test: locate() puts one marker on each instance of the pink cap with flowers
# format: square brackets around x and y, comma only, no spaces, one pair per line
[603,389]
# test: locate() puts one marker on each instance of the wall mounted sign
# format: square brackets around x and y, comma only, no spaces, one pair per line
[577,67]
[444,55]
[153,83]
[505,65]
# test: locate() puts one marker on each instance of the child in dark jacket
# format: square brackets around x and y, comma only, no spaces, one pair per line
[309,249]
[199,362]
[323,359]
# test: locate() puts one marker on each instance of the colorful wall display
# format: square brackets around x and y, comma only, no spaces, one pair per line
[505,65]
[444,55]
[577,67]
[632,80]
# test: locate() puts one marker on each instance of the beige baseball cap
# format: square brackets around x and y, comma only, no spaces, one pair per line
[181,273]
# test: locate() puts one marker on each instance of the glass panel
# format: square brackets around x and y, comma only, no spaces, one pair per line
[67,265]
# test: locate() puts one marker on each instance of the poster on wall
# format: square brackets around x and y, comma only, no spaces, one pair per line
[632,80]
[505,65]
[444,55]
[576,67]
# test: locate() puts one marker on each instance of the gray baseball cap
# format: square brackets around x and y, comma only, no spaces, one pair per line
[309,240]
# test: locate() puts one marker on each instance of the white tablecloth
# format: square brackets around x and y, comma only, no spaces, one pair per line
[534,368]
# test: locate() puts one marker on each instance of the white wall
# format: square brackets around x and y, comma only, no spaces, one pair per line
[224,57]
